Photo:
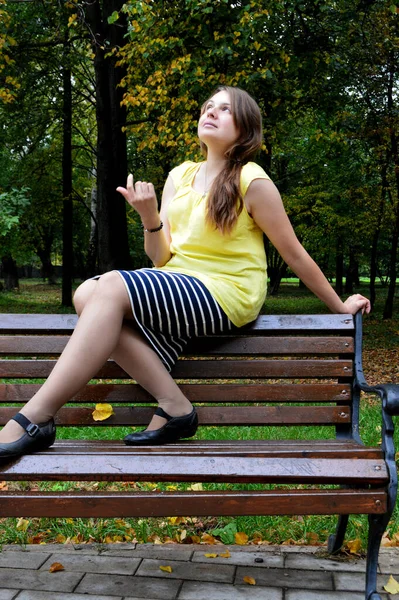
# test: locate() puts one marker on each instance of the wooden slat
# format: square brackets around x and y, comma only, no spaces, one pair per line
[269,346]
[330,449]
[51,466]
[270,415]
[122,505]
[202,392]
[201,369]
[213,346]
[10,323]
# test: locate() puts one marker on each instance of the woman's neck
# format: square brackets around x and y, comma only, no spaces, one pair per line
[215,163]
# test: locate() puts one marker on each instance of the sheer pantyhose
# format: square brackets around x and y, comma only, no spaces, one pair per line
[105,328]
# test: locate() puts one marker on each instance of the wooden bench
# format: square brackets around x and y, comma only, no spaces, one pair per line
[281,370]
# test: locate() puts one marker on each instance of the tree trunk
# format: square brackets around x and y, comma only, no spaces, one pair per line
[388,309]
[67,209]
[10,273]
[376,236]
[339,270]
[92,253]
[111,140]
[352,275]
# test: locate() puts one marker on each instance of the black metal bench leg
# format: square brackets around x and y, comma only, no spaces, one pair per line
[377,527]
[335,541]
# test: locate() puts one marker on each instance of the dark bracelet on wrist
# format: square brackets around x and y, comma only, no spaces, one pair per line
[153,230]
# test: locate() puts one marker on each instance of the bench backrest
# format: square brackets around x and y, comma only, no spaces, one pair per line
[279,370]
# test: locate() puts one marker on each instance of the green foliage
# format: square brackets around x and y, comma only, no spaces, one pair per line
[13,207]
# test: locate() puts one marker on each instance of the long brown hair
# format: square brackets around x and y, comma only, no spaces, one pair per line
[225,201]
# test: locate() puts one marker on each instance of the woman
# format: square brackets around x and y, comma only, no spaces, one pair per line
[206,245]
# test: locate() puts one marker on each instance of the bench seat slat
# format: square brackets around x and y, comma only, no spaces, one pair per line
[140,504]
[52,345]
[213,393]
[255,415]
[126,466]
[40,323]
[262,448]
[201,369]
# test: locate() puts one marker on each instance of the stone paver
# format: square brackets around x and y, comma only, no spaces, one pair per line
[187,571]
[388,562]
[285,578]
[241,558]
[150,551]
[318,563]
[7,594]
[83,563]
[23,560]
[211,591]
[119,585]
[356,582]
[313,595]
[27,595]
[26,579]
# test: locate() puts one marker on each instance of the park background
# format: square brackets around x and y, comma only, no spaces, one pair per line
[92,90]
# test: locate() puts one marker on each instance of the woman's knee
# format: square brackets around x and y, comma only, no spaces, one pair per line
[110,287]
[83,294]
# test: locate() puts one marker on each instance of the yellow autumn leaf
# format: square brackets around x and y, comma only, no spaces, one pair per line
[56,567]
[102,412]
[249,580]
[354,546]
[392,587]
[211,555]
[241,538]
[60,539]
[196,487]
[167,569]
[22,524]
[208,539]
[225,554]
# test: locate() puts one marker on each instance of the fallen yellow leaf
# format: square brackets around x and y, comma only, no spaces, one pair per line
[56,567]
[250,580]
[241,538]
[102,412]
[208,539]
[167,569]
[354,546]
[22,524]
[392,587]
[226,554]
[211,555]
[196,487]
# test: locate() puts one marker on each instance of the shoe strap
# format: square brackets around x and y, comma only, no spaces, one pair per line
[161,413]
[30,428]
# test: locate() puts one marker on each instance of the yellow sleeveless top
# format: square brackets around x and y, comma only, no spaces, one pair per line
[231,266]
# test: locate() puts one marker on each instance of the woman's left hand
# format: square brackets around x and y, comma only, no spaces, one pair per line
[357,302]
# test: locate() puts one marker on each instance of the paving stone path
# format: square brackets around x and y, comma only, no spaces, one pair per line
[132,572]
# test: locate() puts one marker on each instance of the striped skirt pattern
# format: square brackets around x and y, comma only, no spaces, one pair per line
[170,308]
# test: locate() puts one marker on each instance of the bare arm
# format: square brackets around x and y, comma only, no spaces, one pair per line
[141,196]
[264,203]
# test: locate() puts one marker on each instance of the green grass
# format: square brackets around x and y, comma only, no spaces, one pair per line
[379,335]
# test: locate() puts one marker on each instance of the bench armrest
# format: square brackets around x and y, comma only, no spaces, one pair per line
[389,393]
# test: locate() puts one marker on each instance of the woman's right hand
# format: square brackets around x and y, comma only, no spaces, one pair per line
[141,196]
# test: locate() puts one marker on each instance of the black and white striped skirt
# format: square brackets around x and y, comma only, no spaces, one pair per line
[170,308]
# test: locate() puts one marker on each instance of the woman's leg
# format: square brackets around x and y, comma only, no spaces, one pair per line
[100,333]
[95,337]
[135,355]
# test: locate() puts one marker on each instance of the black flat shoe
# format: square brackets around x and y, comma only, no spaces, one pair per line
[37,437]
[176,428]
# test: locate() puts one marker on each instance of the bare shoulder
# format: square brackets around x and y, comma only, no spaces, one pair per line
[261,192]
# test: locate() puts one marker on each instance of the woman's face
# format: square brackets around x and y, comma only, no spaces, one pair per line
[216,126]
